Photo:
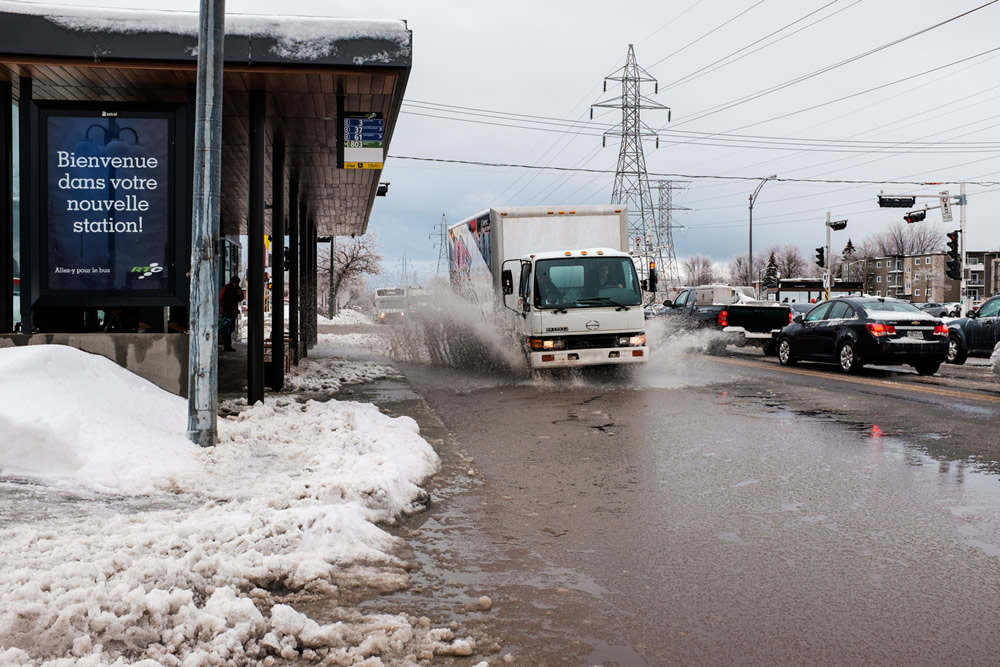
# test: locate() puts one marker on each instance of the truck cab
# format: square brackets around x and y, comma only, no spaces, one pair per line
[577,308]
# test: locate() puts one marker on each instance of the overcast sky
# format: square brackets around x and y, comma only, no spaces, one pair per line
[922,109]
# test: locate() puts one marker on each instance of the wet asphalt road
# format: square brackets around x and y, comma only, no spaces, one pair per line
[712,511]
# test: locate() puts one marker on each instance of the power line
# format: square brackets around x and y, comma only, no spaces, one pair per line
[767,91]
[508,165]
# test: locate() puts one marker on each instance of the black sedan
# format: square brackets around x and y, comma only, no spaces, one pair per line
[854,331]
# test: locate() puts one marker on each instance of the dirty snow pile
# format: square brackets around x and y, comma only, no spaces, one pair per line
[317,373]
[368,343]
[995,361]
[147,548]
[346,316]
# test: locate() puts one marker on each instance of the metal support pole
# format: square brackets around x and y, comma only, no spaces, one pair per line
[827,270]
[25,212]
[753,198]
[963,286]
[204,307]
[6,207]
[304,263]
[278,266]
[314,313]
[750,244]
[294,284]
[255,239]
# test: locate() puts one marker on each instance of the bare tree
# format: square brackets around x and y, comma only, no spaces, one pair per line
[698,270]
[902,239]
[738,271]
[789,262]
[353,258]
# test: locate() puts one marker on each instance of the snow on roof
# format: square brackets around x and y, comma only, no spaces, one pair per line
[296,37]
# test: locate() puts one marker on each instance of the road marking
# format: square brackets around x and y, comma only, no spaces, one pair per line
[950,393]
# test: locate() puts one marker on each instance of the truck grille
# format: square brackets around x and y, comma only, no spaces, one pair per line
[591,342]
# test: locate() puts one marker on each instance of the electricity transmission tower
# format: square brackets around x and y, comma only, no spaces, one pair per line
[631,183]
[666,257]
[442,245]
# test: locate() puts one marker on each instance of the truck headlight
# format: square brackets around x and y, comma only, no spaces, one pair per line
[547,343]
[632,341]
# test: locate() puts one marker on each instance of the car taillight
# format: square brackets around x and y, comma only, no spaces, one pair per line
[941,330]
[723,318]
[878,329]
[791,316]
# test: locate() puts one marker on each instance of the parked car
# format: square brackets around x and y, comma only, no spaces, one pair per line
[732,312]
[854,331]
[976,334]
[954,309]
[653,310]
[935,309]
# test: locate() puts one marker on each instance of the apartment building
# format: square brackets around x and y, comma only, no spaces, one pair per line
[922,278]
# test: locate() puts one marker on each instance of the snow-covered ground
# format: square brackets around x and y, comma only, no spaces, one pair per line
[347,316]
[176,555]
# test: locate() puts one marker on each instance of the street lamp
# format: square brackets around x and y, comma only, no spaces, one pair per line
[753,198]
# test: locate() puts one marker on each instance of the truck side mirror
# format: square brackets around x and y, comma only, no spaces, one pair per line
[644,284]
[507,281]
[668,303]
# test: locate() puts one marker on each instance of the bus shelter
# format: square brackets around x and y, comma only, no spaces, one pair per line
[97,136]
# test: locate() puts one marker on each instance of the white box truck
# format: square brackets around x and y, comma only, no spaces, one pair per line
[560,281]
[390,304]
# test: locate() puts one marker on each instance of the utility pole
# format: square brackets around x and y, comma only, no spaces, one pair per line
[203,351]
[631,182]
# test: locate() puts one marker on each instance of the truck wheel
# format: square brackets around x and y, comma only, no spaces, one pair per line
[785,356]
[847,357]
[956,353]
[769,348]
[927,368]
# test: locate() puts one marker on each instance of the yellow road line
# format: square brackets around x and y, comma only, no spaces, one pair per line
[950,393]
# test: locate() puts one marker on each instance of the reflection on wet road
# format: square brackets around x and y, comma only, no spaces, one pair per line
[713,514]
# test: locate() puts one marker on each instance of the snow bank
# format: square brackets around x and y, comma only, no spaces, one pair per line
[347,316]
[285,506]
[67,415]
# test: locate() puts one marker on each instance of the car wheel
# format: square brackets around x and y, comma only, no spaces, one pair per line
[927,368]
[956,353]
[847,357]
[785,356]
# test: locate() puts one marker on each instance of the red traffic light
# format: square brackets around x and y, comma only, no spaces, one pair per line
[915,216]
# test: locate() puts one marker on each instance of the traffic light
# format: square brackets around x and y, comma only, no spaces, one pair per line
[954,256]
[821,257]
[896,202]
[837,225]
[652,277]
[915,216]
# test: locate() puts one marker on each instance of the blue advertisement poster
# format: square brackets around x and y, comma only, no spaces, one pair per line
[107,196]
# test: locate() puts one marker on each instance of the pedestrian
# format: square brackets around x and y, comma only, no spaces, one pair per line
[229,305]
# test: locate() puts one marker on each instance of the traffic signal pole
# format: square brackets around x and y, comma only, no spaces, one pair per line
[827,275]
[963,288]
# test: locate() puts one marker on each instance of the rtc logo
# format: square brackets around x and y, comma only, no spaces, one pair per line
[147,271]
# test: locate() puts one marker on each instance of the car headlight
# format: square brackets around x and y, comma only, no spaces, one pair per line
[632,341]
[547,343]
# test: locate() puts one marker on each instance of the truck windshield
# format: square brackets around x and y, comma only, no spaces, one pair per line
[586,282]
